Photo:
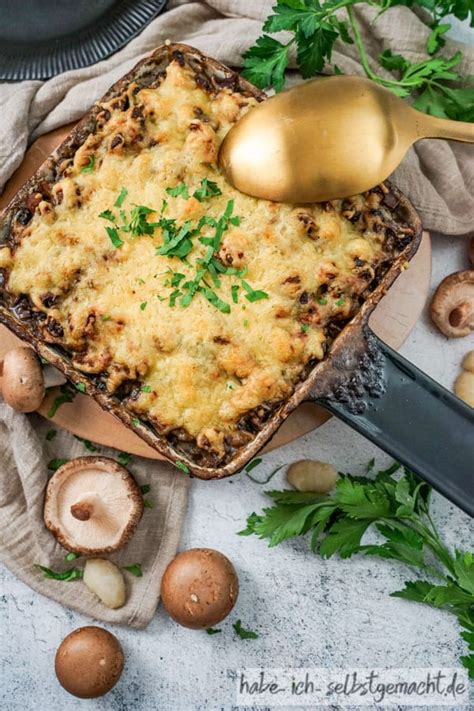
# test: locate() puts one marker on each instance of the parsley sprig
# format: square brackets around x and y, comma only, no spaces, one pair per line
[315,27]
[398,509]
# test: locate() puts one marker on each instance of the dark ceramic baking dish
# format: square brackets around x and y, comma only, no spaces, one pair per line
[361,380]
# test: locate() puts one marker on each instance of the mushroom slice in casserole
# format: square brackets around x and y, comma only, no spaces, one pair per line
[198,307]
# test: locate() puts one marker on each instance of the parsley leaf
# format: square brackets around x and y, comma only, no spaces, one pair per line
[244,633]
[207,190]
[214,299]
[66,575]
[135,569]
[182,466]
[67,395]
[51,434]
[179,190]
[119,201]
[212,630]
[87,444]
[124,458]
[54,464]
[114,236]
[107,215]
[265,63]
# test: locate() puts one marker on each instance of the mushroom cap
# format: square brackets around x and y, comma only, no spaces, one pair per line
[199,588]
[452,307]
[92,505]
[22,382]
[89,662]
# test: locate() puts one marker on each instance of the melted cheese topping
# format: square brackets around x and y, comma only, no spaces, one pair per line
[202,369]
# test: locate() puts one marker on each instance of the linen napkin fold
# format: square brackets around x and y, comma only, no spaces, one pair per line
[25,542]
[438,176]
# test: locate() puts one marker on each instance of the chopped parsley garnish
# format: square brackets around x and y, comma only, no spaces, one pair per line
[242,632]
[341,301]
[67,395]
[114,236]
[178,241]
[145,488]
[179,190]
[124,457]
[106,317]
[72,556]
[54,464]
[139,224]
[212,630]
[147,504]
[246,323]
[253,295]
[235,293]
[135,569]
[322,301]
[121,197]
[213,299]
[89,167]
[146,388]
[66,575]
[51,434]
[182,466]
[136,422]
[107,215]
[87,444]
[207,190]
[305,327]
[81,387]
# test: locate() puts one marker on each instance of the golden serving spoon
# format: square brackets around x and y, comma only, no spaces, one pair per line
[327,138]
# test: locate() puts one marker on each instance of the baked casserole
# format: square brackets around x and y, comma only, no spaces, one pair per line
[190,310]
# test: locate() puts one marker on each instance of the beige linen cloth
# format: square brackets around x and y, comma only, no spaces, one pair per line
[437,175]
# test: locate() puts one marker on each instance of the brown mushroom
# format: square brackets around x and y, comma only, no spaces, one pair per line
[92,505]
[199,588]
[452,307]
[22,379]
[89,662]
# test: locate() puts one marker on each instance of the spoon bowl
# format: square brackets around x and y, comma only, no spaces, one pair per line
[327,138]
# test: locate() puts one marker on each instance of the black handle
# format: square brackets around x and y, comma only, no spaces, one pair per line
[413,418]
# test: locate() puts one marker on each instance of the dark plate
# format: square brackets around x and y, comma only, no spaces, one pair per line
[41,38]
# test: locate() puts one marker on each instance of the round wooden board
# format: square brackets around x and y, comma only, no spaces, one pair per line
[392,320]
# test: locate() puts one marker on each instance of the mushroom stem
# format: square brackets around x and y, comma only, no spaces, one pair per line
[86,506]
[82,511]
[459,315]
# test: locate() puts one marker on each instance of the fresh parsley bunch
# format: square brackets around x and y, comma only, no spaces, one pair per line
[399,510]
[315,27]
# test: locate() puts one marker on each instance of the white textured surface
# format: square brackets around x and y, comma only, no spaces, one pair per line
[309,612]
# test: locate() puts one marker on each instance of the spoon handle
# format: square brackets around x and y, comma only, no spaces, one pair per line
[433,127]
